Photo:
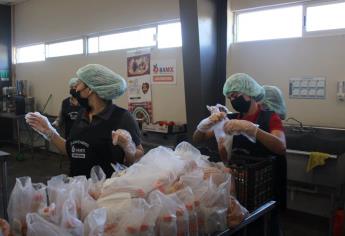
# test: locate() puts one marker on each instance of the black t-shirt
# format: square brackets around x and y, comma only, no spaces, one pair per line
[69,114]
[90,144]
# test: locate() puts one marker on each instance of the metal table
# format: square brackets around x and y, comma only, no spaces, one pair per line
[263,211]
[3,158]
[16,118]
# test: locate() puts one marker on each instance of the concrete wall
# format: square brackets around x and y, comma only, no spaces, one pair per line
[275,61]
[49,20]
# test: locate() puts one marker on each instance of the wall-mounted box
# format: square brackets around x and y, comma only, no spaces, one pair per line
[307,88]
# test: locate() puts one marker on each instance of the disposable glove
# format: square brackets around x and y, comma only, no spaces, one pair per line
[41,125]
[207,123]
[123,138]
[222,108]
[243,127]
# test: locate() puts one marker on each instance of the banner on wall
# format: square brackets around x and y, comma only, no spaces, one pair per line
[139,85]
[163,71]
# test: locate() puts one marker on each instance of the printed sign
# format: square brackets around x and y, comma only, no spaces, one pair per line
[163,71]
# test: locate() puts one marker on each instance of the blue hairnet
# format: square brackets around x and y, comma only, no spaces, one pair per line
[245,84]
[72,82]
[103,81]
[274,101]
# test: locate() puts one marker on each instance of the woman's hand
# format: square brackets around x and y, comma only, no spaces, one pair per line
[123,138]
[41,124]
[207,123]
[241,127]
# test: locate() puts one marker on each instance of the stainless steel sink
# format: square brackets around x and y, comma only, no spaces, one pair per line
[323,187]
[315,139]
[301,141]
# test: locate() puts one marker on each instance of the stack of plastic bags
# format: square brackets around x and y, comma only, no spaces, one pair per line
[166,193]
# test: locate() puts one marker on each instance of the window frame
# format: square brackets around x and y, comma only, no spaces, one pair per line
[25,46]
[63,41]
[237,13]
[305,34]
[328,32]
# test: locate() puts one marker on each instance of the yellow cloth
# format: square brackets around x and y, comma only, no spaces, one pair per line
[316,159]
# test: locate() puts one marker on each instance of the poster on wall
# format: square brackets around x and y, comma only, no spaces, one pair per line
[139,85]
[142,111]
[163,71]
[138,62]
[139,89]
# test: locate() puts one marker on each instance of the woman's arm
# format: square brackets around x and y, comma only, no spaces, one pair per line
[199,137]
[59,143]
[274,141]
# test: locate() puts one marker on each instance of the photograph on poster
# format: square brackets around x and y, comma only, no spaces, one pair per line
[138,65]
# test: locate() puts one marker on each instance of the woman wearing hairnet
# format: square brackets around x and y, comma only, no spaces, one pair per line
[257,131]
[69,110]
[103,132]
[274,101]
[252,121]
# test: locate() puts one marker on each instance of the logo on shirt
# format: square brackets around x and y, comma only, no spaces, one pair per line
[79,149]
[73,115]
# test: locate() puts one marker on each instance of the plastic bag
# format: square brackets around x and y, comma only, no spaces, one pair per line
[237,213]
[37,226]
[69,221]
[20,204]
[187,197]
[95,183]
[167,222]
[95,222]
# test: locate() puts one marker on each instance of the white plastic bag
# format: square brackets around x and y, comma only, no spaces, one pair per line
[95,222]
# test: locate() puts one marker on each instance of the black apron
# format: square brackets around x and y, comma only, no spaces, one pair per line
[243,145]
[92,145]
[69,115]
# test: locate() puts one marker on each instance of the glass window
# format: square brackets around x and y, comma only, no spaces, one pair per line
[325,17]
[30,53]
[132,39]
[93,45]
[270,24]
[169,35]
[66,48]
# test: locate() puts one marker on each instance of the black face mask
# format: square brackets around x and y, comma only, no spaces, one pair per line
[73,93]
[240,104]
[84,102]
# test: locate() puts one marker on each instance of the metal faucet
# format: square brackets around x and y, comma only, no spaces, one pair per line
[301,128]
[299,122]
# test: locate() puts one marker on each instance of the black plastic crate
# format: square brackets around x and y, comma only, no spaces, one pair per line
[253,179]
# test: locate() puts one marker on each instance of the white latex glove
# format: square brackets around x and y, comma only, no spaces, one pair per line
[244,127]
[222,108]
[41,125]
[207,123]
[123,138]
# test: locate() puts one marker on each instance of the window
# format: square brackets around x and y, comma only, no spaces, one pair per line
[92,44]
[30,53]
[325,17]
[65,48]
[169,35]
[270,24]
[132,39]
